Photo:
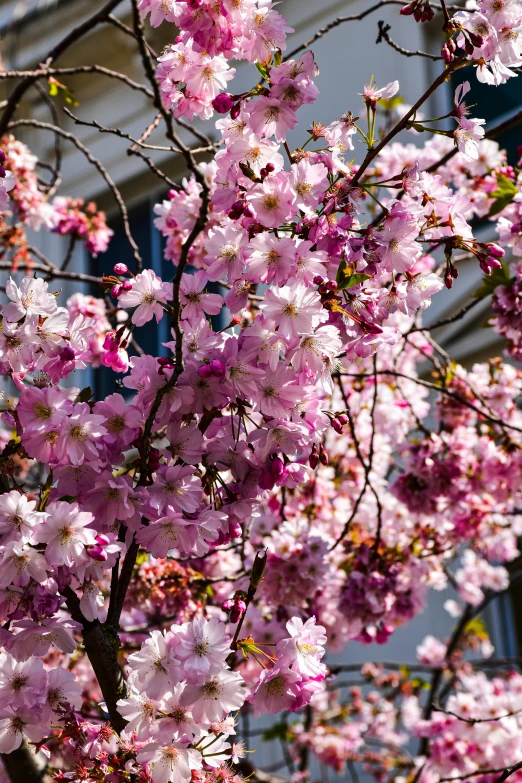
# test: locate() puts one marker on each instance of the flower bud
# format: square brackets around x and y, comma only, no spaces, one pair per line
[116,290]
[313,459]
[204,371]
[337,426]
[266,479]
[67,354]
[121,269]
[97,553]
[323,456]
[111,341]
[258,568]
[126,285]
[496,251]
[102,540]
[277,467]
[217,368]
[235,111]
[222,103]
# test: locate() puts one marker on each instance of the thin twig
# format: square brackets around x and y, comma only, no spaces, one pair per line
[103,171]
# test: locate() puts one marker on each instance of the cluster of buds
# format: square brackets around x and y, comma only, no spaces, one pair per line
[118,286]
[224,102]
[421,10]
[338,422]
[236,606]
[240,208]
[318,455]
[214,367]
[488,254]
[327,290]
[472,41]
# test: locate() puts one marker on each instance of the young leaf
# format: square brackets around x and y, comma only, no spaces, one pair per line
[498,277]
[503,195]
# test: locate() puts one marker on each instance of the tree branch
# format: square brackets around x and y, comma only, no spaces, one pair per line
[70,39]
[103,171]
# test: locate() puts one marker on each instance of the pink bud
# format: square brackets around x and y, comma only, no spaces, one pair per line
[67,354]
[313,459]
[337,426]
[266,480]
[126,285]
[121,269]
[97,553]
[228,604]
[116,290]
[277,467]
[204,371]
[217,367]
[110,343]
[223,102]
[241,605]
[102,540]
[496,251]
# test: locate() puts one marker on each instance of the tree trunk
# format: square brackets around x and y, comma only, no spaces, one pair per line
[25,766]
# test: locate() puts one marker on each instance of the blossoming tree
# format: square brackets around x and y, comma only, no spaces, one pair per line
[178,556]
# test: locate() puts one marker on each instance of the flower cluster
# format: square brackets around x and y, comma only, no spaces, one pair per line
[280,479]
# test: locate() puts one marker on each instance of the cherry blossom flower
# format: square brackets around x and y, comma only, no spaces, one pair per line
[65,531]
[174,762]
[148,293]
[203,647]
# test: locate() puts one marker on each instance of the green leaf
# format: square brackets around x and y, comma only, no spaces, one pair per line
[405,671]
[390,103]
[263,70]
[499,276]
[345,278]
[477,627]
[278,731]
[503,195]
[278,57]
[56,88]
[418,682]
[355,280]
[85,395]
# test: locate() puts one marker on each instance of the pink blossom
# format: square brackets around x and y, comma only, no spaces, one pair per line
[148,294]
[65,532]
